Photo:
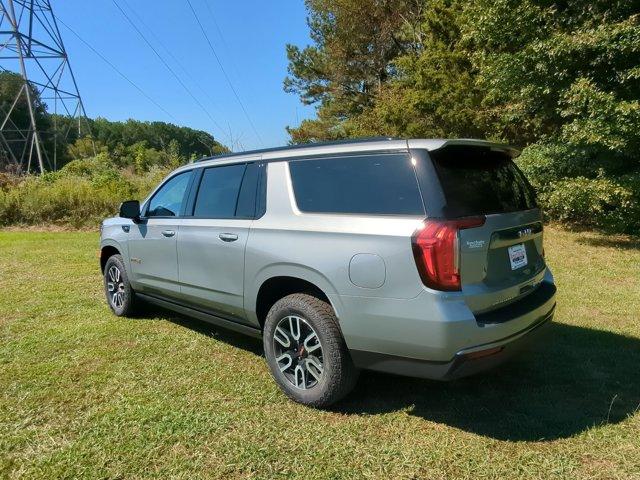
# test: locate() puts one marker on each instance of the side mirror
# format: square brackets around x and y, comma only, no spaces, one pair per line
[130,209]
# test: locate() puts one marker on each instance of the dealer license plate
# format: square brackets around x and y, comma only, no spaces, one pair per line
[517,256]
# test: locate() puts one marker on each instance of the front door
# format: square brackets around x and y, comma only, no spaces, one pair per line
[152,242]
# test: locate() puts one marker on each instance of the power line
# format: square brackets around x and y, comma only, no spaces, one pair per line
[195,99]
[224,42]
[104,59]
[213,50]
[173,57]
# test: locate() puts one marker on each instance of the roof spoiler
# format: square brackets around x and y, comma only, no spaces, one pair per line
[441,143]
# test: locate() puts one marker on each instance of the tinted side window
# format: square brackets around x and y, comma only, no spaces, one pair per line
[168,199]
[246,207]
[372,184]
[218,192]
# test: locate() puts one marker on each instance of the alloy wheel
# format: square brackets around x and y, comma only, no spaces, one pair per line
[298,352]
[115,286]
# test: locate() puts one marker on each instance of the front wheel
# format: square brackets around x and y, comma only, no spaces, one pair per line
[306,352]
[120,295]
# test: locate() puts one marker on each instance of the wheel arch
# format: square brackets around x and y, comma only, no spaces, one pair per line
[282,282]
[106,251]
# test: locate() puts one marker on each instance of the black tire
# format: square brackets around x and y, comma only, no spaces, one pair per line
[338,376]
[125,303]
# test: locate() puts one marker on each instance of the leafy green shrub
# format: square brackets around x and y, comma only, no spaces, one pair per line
[8,181]
[69,199]
[88,167]
[81,194]
[547,162]
[595,202]
[584,185]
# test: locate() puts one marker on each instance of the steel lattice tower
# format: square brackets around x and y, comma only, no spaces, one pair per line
[31,44]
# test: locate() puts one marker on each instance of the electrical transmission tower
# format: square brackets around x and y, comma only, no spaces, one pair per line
[35,79]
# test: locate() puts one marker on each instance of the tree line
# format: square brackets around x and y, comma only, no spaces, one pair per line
[558,78]
[123,141]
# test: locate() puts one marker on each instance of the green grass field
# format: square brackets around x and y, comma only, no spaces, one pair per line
[86,394]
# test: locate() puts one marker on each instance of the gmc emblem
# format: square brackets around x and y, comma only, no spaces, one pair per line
[525,232]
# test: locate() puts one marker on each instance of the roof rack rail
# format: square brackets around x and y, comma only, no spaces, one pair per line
[299,147]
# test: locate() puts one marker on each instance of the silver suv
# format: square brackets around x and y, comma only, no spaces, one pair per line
[418,257]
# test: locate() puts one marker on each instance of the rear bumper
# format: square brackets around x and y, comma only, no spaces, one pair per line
[437,336]
[464,363]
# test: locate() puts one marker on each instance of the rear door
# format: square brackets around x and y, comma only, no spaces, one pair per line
[213,238]
[503,259]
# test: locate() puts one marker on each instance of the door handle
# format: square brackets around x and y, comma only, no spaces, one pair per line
[168,233]
[228,237]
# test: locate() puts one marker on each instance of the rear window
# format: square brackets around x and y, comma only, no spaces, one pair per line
[218,192]
[369,184]
[481,181]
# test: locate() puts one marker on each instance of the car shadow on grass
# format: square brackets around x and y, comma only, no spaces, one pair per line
[238,340]
[575,378]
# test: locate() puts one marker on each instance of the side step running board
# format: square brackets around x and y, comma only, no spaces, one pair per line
[204,316]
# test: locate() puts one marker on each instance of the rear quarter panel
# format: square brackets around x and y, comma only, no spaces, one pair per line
[319,248]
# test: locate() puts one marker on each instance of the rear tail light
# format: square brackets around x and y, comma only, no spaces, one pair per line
[436,250]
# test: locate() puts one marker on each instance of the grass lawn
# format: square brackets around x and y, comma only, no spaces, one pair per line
[86,394]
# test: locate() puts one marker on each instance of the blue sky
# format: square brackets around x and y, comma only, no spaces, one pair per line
[250,42]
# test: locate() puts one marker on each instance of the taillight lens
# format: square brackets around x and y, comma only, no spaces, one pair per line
[436,250]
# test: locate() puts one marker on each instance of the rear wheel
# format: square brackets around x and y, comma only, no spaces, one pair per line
[120,295]
[306,352]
